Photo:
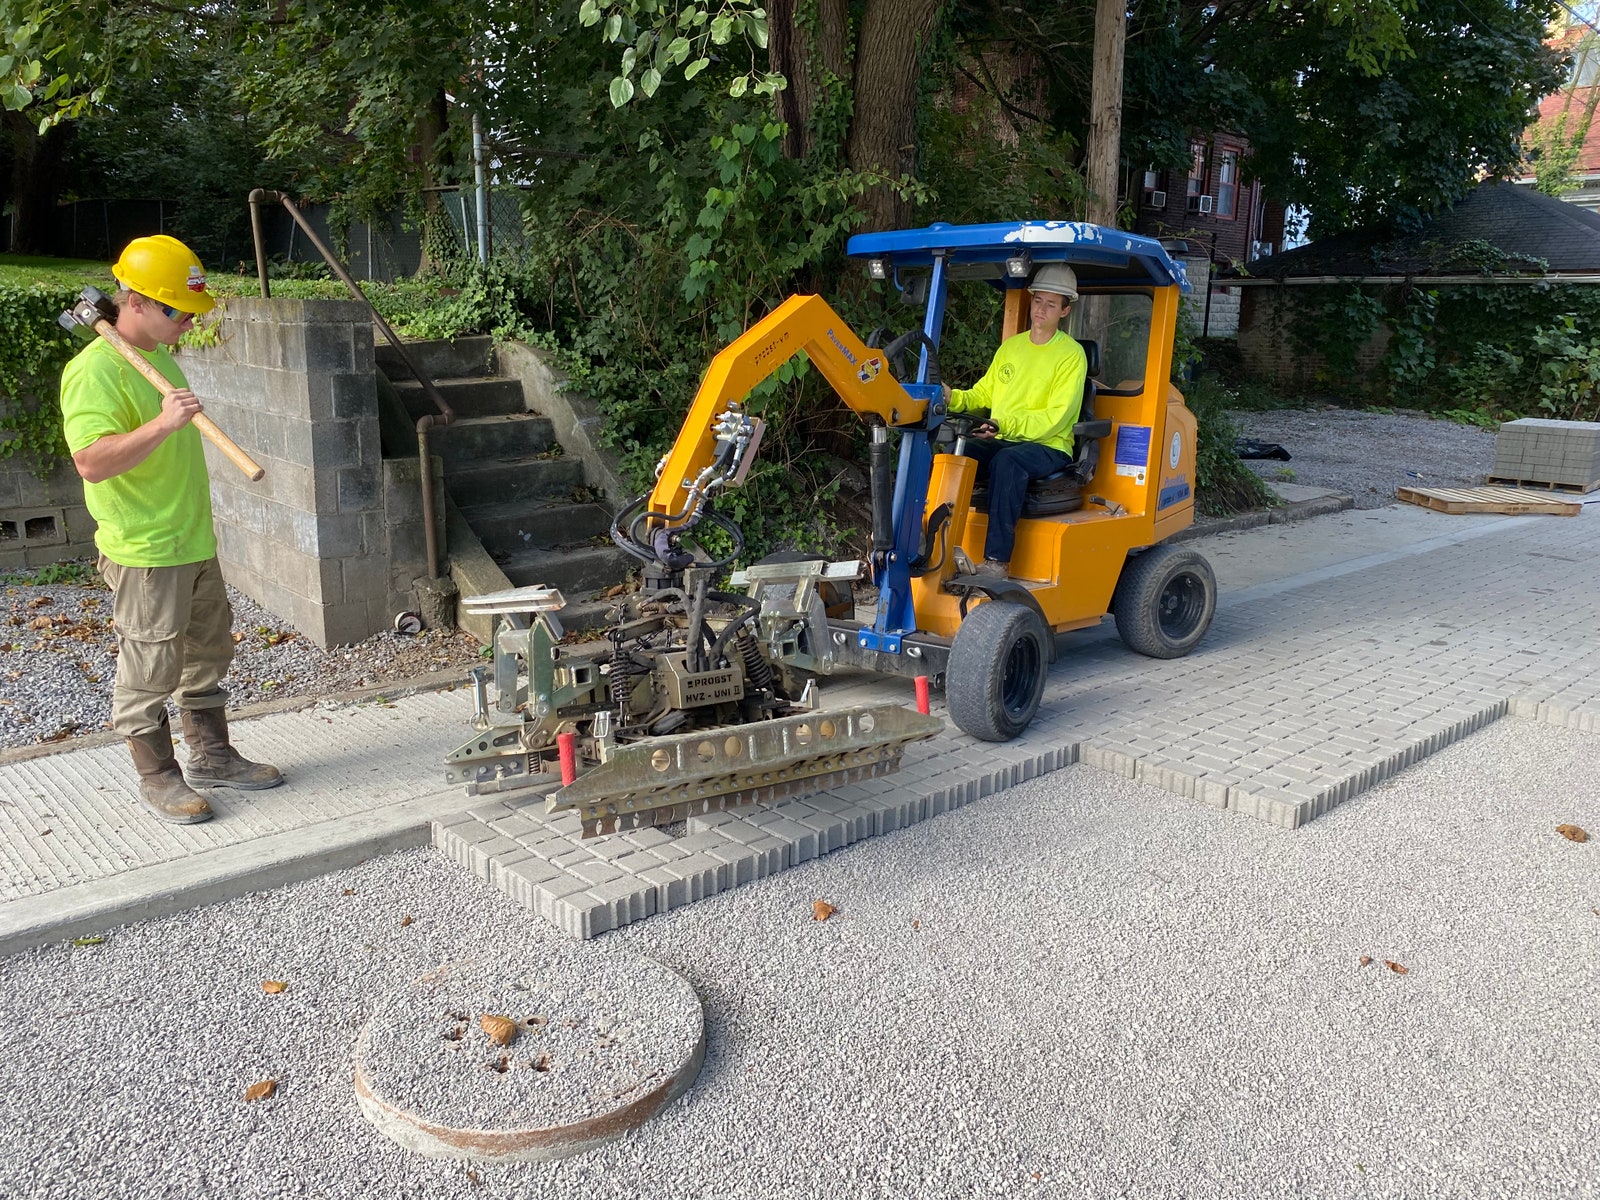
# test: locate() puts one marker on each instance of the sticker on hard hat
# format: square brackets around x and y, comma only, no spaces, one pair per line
[1176,452]
[1133,450]
[197,280]
[869,370]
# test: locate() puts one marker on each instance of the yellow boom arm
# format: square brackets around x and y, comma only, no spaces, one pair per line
[807,323]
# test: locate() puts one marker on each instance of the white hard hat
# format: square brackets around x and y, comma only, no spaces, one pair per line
[1058,278]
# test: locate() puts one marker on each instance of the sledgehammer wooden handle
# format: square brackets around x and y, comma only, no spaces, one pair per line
[163,385]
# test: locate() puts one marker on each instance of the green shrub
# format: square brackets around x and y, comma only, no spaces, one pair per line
[1223,484]
[33,349]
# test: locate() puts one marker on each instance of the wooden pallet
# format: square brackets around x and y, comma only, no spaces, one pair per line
[1575,489]
[1512,501]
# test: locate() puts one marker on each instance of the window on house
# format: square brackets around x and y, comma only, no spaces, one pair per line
[1227,183]
[1197,168]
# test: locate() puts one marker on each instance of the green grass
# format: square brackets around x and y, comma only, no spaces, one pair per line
[22,270]
[401,304]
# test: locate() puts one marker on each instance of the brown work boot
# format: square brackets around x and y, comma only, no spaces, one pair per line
[994,568]
[213,762]
[161,787]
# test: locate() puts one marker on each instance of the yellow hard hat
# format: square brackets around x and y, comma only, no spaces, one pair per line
[167,271]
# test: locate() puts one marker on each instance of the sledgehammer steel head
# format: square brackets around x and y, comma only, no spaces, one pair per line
[93,305]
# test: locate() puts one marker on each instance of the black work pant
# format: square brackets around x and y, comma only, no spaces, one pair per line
[1008,468]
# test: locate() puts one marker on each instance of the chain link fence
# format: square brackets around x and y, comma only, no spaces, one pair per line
[386,249]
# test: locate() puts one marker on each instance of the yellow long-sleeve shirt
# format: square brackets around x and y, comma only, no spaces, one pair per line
[1033,393]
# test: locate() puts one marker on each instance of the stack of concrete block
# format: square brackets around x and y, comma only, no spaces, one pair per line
[1562,453]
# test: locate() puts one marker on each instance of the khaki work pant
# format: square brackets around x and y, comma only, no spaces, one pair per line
[174,639]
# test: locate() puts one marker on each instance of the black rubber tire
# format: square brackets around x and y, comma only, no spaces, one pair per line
[1164,601]
[995,677]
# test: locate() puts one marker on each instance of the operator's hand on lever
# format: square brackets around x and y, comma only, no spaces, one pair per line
[985,429]
[179,408]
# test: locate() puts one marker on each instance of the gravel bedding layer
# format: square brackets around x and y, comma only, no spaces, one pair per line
[1080,987]
[595,1031]
[1367,455]
[58,660]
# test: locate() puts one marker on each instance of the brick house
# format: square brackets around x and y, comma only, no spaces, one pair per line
[1218,221]
[1571,112]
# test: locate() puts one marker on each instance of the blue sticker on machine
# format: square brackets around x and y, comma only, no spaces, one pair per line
[1133,446]
[1173,493]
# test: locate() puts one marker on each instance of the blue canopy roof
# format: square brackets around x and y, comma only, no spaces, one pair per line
[1099,255]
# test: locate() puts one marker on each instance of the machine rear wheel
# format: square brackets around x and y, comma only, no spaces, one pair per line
[995,677]
[1164,601]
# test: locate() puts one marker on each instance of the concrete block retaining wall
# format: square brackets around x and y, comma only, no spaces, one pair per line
[320,540]
[42,520]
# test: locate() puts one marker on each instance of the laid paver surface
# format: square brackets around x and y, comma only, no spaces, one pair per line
[1343,651]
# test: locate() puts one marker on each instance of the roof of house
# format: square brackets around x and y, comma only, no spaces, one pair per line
[1525,225]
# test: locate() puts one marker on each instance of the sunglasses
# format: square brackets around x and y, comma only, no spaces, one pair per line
[175,315]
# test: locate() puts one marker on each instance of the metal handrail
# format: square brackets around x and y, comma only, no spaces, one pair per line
[445,416]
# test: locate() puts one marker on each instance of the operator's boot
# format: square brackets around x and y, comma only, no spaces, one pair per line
[161,787]
[213,762]
[994,568]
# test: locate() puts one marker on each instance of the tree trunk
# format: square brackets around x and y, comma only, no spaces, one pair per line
[430,128]
[883,131]
[1105,110]
[802,56]
[38,173]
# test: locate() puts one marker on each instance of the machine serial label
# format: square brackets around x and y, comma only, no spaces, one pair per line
[1133,450]
[709,687]
[1173,491]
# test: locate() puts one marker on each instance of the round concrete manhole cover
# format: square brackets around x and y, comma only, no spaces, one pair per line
[496,1064]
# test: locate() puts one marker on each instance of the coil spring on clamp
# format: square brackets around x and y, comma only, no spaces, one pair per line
[757,670]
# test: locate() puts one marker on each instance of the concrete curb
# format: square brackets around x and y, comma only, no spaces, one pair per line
[167,888]
[443,679]
[1295,510]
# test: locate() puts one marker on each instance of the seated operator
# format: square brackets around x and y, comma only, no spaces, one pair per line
[1033,391]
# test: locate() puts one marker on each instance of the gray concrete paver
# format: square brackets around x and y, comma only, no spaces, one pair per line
[1341,654]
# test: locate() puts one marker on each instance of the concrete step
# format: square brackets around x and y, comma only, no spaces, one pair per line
[522,480]
[475,397]
[479,441]
[579,571]
[454,358]
[511,527]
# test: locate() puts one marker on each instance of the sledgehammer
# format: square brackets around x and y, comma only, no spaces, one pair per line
[95,313]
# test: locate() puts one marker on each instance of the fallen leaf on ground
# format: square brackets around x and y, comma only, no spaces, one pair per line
[88,941]
[1366,959]
[261,1091]
[405,920]
[500,1029]
[348,892]
[1572,833]
[1395,967]
[237,637]
[821,910]
[473,1177]
[40,602]
[273,986]
[40,623]
[916,924]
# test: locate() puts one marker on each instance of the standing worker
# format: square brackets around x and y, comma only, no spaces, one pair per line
[1033,392]
[145,483]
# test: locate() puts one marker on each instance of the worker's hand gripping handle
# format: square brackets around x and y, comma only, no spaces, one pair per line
[202,422]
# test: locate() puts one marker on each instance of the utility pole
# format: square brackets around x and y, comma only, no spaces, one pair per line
[1105,110]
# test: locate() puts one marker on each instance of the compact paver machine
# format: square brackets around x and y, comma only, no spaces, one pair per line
[695,698]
